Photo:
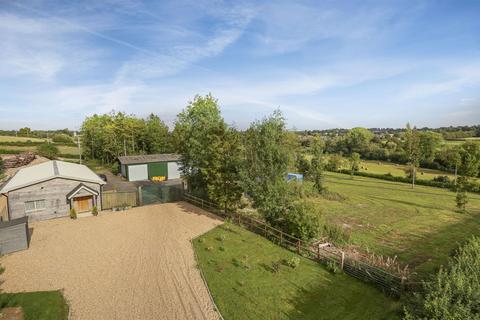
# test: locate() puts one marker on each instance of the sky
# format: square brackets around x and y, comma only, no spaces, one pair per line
[324,64]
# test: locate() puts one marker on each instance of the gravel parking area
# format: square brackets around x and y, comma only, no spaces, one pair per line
[135,264]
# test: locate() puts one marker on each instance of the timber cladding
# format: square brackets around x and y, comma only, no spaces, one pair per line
[3,208]
[53,191]
[14,235]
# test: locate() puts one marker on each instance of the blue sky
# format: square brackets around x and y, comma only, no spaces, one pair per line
[323,63]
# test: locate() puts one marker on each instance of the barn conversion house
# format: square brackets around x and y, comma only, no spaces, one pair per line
[150,167]
[51,189]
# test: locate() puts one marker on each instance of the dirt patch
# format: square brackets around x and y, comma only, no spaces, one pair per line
[135,264]
[11,313]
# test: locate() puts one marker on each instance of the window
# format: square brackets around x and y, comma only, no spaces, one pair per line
[35,205]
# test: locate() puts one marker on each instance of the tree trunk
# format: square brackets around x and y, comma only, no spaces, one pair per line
[456,167]
[414,173]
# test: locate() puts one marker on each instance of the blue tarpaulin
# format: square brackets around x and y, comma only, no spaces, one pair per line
[294,176]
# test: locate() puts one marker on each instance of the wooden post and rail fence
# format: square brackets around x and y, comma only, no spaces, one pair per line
[384,280]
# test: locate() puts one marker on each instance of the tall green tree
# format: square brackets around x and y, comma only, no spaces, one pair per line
[429,142]
[412,148]
[317,164]
[354,163]
[469,166]
[224,174]
[358,139]
[267,156]
[210,151]
[156,136]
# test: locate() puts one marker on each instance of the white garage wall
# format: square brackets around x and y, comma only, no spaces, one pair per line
[137,172]
[173,170]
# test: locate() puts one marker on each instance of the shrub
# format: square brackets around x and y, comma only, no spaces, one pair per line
[301,220]
[333,267]
[95,211]
[47,150]
[115,168]
[276,267]
[454,293]
[441,179]
[73,214]
[293,262]
[336,234]
[62,138]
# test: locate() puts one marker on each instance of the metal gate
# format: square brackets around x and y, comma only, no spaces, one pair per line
[160,193]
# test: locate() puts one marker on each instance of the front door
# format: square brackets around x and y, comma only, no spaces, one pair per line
[83,204]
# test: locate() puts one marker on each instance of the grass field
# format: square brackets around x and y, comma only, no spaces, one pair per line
[19,139]
[61,149]
[237,265]
[382,167]
[44,305]
[418,225]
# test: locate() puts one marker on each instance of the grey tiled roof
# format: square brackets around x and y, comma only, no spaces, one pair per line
[164,157]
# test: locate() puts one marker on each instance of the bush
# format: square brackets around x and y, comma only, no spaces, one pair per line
[455,291]
[2,168]
[441,179]
[302,220]
[293,262]
[115,168]
[73,214]
[95,211]
[62,138]
[333,267]
[47,150]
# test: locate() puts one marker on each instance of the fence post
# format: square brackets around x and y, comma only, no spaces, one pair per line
[402,284]
[343,260]
[281,237]
[140,197]
[318,252]
[202,203]
[298,246]
[265,229]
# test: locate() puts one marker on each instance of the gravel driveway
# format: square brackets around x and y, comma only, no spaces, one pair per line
[136,264]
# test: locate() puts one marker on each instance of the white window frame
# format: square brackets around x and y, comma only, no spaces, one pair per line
[36,205]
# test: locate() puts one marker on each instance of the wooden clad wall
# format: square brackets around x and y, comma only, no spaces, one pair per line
[3,208]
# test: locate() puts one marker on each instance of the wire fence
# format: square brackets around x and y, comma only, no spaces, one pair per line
[389,283]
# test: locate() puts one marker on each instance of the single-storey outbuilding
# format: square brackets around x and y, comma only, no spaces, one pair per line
[150,167]
[50,189]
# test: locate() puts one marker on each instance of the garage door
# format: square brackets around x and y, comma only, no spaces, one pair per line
[173,171]
[137,172]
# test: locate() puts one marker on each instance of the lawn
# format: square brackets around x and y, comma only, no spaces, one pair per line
[420,225]
[43,305]
[238,266]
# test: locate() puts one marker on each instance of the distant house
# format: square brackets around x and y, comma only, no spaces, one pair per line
[150,167]
[50,189]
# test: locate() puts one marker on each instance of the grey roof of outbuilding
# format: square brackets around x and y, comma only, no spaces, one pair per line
[147,158]
[49,170]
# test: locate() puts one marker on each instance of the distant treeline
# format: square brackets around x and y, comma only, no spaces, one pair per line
[448,133]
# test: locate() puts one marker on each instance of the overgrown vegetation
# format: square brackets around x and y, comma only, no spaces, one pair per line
[455,291]
[254,277]
[47,150]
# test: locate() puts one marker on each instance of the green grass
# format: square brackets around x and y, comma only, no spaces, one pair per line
[18,139]
[42,305]
[398,170]
[61,149]
[420,226]
[256,292]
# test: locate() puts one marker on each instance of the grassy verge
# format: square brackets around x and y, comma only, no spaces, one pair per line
[420,225]
[239,267]
[42,305]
